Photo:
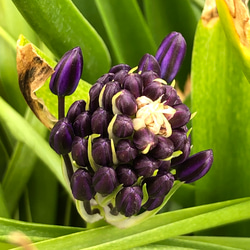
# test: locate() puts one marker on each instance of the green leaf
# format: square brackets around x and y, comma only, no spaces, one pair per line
[61,27]
[159,227]
[24,132]
[3,205]
[221,97]
[235,242]
[127,30]
[35,231]
[20,166]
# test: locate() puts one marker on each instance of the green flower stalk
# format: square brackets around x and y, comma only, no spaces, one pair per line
[130,144]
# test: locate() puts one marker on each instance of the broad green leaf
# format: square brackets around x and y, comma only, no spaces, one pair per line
[159,227]
[35,231]
[61,27]
[127,30]
[165,16]
[24,132]
[221,97]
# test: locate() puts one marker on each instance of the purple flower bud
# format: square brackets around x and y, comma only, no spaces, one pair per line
[163,149]
[160,185]
[126,175]
[154,90]
[82,124]
[111,88]
[94,93]
[81,185]
[67,73]
[119,67]
[126,151]
[133,83]
[186,148]
[61,137]
[101,151]
[125,103]
[144,139]
[164,167]
[148,77]
[128,201]
[123,126]
[170,95]
[170,55]
[181,116]
[195,167]
[108,77]
[80,151]
[100,120]
[76,109]
[105,180]
[178,137]
[149,62]
[153,203]
[120,76]
[145,165]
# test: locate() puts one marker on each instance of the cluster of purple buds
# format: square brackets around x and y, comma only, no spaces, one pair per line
[129,142]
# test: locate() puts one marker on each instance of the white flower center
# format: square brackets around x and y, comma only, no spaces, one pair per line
[154,115]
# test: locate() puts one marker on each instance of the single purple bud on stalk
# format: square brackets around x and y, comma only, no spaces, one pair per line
[148,77]
[128,201]
[123,126]
[108,77]
[170,55]
[120,76]
[82,124]
[111,88]
[94,93]
[81,185]
[119,67]
[160,185]
[145,165]
[80,151]
[126,175]
[185,149]
[163,149]
[126,151]
[101,151]
[76,109]
[195,167]
[61,137]
[149,62]
[99,121]
[144,139]
[181,116]
[125,102]
[170,95]
[105,180]
[67,73]
[133,83]
[153,203]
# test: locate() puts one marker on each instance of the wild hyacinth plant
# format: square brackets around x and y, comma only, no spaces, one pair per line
[130,142]
[122,126]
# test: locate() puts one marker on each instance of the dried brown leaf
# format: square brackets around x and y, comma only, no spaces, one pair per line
[33,72]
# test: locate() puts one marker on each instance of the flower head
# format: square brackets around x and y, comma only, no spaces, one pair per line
[130,142]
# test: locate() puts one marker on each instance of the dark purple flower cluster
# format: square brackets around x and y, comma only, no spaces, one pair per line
[132,132]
